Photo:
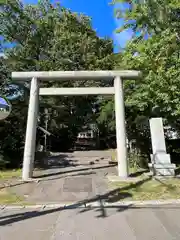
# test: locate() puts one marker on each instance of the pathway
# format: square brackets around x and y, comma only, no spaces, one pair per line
[83,182]
[150,223]
[71,177]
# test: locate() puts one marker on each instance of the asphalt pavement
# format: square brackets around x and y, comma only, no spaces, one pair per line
[113,222]
[77,182]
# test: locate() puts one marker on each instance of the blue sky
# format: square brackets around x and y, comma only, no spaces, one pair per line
[102,15]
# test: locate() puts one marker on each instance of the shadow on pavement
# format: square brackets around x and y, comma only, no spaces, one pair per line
[73,170]
[109,197]
[56,161]
[138,173]
[14,218]
[69,175]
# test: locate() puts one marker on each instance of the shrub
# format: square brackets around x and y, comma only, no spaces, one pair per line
[135,159]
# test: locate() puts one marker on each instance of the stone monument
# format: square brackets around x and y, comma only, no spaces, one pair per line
[160,161]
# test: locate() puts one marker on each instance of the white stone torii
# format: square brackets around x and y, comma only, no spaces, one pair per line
[35,91]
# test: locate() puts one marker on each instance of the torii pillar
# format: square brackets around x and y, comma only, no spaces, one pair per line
[117,91]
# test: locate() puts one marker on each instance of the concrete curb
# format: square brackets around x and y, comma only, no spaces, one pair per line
[93,204]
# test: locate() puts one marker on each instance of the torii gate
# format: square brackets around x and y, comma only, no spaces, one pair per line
[35,91]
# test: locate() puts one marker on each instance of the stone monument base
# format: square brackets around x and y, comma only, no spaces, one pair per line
[162,169]
[161,158]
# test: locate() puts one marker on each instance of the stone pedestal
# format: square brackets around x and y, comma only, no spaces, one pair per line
[162,170]
[161,165]
[160,161]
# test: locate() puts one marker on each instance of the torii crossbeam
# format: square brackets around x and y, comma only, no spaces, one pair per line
[35,91]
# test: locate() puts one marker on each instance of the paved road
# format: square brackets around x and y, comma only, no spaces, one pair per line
[115,223]
[77,181]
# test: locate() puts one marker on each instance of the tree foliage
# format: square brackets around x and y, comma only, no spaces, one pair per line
[48,37]
[154,50]
[156,56]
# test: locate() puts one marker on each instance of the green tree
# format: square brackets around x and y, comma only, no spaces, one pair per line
[154,50]
[157,57]
[12,128]
[49,37]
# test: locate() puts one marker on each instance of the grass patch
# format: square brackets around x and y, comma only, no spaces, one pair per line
[6,197]
[8,174]
[146,188]
[6,177]
[149,189]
